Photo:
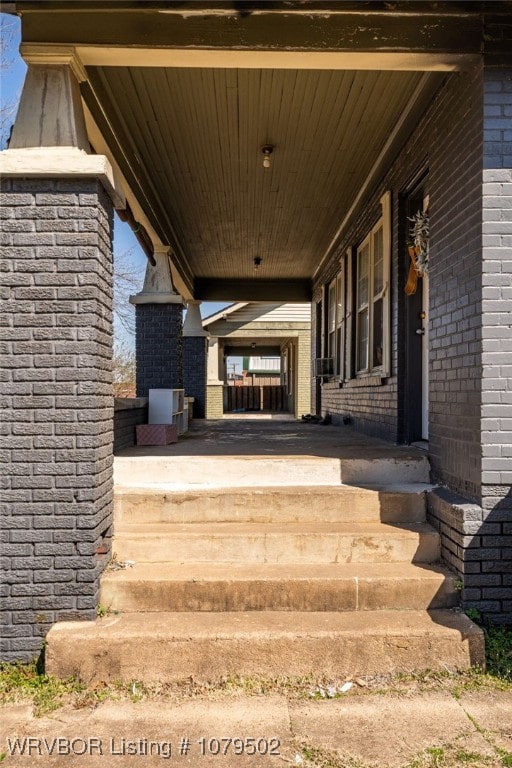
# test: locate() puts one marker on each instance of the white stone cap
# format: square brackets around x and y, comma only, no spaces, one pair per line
[155,297]
[61,162]
[193,325]
[158,287]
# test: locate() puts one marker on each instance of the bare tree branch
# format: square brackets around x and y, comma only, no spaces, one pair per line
[124,370]
[127,281]
[8,108]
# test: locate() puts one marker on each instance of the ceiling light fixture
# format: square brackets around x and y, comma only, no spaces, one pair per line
[266,152]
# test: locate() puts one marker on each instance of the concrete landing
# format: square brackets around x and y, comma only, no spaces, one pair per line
[249,454]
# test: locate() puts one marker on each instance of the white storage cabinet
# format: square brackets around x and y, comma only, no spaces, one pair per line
[167,406]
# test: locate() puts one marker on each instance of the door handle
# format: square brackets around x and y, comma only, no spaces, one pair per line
[420,331]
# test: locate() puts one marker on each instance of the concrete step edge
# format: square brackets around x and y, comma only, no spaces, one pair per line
[219,529]
[205,646]
[197,571]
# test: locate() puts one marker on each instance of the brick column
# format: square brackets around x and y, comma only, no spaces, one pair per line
[476,534]
[57,403]
[158,329]
[215,386]
[303,374]
[195,346]
[57,209]
[491,587]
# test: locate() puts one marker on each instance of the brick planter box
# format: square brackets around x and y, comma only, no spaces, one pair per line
[156,434]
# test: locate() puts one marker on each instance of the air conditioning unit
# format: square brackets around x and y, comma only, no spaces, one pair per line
[324,367]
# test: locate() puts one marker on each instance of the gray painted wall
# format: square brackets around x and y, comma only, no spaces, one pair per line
[465,139]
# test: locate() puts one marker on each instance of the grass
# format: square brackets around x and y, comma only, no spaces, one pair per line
[28,682]
[19,682]
[498,644]
[319,757]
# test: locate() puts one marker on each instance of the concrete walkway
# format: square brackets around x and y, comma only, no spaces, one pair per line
[386,729]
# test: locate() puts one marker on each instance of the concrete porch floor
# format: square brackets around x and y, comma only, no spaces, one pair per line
[260,437]
[253,453]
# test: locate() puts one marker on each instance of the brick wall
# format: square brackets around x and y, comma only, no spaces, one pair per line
[477,538]
[303,398]
[447,139]
[158,347]
[214,401]
[492,585]
[57,404]
[128,412]
[466,139]
[194,372]
[455,285]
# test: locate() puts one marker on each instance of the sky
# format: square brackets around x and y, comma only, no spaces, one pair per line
[126,247]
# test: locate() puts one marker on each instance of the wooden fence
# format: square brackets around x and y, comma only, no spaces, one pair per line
[266,398]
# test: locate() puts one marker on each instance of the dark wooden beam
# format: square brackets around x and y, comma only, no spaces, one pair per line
[247,350]
[415,27]
[252,290]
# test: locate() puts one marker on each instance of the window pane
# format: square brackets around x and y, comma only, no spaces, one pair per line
[362,276]
[339,351]
[340,311]
[378,261]
[362,340]
[332,307]
[378,333]
[332,348]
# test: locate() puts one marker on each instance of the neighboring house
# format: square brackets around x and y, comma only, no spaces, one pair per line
[262,370]
[274,156]
[280,336]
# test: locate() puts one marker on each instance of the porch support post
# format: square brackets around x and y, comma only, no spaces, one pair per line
[57,417]
[475,534]
[195,345]
[158,329]
[303,373]
[491,588]
[215,389]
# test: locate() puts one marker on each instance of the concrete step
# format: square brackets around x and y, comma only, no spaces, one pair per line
[277,543]
[249,471]
[167,647]
[341,503]
[150,587]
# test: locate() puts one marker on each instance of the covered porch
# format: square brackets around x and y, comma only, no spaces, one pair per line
[262,152]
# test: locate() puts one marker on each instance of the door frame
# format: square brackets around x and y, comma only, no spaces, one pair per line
[413,356]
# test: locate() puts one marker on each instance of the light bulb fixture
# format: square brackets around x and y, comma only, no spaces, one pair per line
[266,152]
[257,262]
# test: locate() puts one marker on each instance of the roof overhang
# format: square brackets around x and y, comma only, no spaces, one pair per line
[182,95]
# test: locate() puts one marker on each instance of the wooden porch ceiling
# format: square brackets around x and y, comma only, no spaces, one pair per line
[180,100]
[196,138]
